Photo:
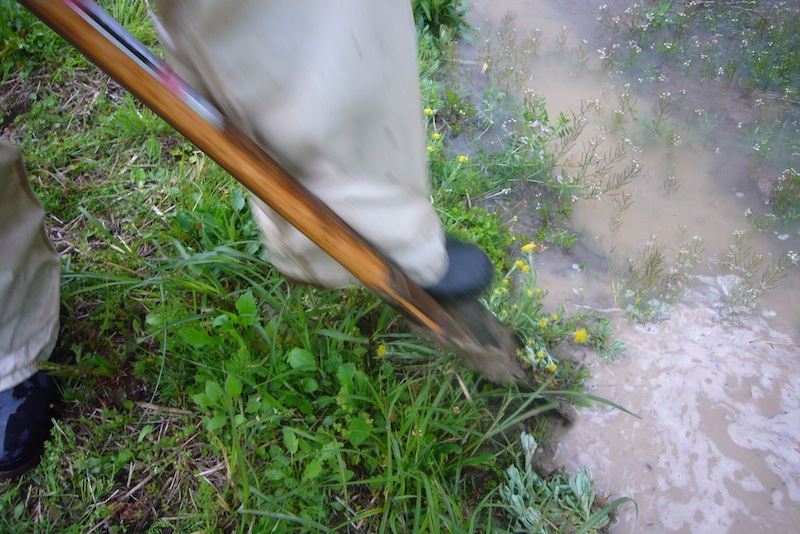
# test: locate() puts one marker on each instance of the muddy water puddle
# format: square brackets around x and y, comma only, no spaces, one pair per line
[715,445]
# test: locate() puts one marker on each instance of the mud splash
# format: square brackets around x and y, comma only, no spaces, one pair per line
[715,447]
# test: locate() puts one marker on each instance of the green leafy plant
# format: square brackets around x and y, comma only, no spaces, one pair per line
[541,506]
[24,39]
[438,14]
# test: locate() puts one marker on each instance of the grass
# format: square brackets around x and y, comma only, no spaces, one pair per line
[203,392]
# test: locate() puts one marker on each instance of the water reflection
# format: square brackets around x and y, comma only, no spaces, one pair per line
[716,446]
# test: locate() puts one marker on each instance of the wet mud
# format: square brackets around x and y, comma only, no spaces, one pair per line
[716,444]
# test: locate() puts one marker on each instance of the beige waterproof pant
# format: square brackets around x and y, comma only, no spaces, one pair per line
[29,276]
[331,91]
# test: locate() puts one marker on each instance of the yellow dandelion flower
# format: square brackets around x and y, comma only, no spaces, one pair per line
[437,136]
[430,148]
[540,355]
[428,112]
[530,247]
[519,264]
[552,367]
[526,268]
[463,159]
[505,281]
[538,290]
[554,317]
[381,350]
[530,293]
[496,292]
[580,335]
[542,323]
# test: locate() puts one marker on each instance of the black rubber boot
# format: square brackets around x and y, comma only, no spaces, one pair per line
[469,274]
[25,422]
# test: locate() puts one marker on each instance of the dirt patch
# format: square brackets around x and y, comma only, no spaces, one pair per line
[15,97]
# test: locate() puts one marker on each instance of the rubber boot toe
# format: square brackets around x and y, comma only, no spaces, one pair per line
[469,273]
[25,423]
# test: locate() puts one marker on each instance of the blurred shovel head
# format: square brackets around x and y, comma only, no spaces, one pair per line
[484,344]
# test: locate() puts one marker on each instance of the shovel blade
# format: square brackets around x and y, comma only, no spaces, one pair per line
[484,344]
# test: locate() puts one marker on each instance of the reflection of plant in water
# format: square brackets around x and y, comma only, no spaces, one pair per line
[744,286]
[648,287]
[539,506]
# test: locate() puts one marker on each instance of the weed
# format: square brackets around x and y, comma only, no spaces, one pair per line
[505,55]
[561,39]
[671,184]
[627,106]
[555,505]
[622,201]
[439,14]
[750,43]
[517,301]
[664,107]
[786,195]
[763,222]
[743,286]
[648,287]
[26,42]
[582,53]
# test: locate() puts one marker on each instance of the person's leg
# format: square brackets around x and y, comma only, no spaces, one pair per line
[29,300]
[331,91]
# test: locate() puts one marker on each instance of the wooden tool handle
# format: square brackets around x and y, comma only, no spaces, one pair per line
[97,35]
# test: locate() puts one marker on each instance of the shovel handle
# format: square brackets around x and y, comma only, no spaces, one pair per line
[111,47]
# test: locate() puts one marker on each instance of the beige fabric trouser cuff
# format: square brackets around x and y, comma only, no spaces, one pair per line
[331,91]
[29,276]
